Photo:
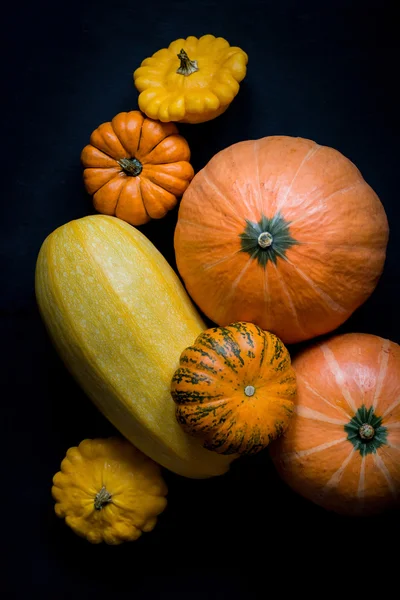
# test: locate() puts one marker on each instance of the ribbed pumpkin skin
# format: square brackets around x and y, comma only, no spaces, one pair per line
[234,388]
[120,318]
[136,168]
[329,236]
[344,383]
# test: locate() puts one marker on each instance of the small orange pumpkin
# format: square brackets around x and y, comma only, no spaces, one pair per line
[136,168]
[234,388]
[342,447]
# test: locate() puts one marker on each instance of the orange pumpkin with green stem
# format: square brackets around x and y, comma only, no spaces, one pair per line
[136,168]
[342,447]
[281,232]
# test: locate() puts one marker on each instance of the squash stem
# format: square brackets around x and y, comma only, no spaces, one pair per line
[366,431]
[187,66]
[102,498]
[265,240]
[131,166]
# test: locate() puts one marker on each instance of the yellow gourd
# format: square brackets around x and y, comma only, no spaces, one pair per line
[120,318]
[109,491]
[192,81]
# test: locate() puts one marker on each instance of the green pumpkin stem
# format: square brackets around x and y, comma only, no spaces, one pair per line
[131,166]
[187,66]
[102,498]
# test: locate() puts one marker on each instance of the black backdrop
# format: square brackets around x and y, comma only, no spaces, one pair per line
[322,70]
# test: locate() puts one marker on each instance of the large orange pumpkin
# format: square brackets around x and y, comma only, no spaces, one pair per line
[342,447]
[283,233]
[136,168]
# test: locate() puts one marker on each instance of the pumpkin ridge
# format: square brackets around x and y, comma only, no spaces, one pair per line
[383,366]
[128,154]
[119,196]
[315,393]
[310,153]
[208,342]
[317,289]
[391,408]
[384,470]
[338,376]
[232,343]
[157,144]
[199,350]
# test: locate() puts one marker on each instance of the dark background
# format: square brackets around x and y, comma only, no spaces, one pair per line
[322,70]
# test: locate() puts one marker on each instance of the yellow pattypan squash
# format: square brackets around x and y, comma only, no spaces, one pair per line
[109,491]
[191,81]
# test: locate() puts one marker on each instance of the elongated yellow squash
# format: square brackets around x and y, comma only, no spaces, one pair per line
[120,318]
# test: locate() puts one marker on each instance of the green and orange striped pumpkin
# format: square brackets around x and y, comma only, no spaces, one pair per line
[342,447]
[234,388]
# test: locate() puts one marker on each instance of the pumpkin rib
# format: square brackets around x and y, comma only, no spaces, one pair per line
[310,413]
[286,292]
[220,261]
[173,184]
[132,208]
[321,206]
[92,157]
[338,376]
[104,138]
[313,450]
[316,288]
[237,166]
[311,152]
[104,197]
[229,299]
[207,178]
[389,455]
[383,365]
[257,174]
[335,479]
[156,200]
[122,127]
[391,408]
[313,391]
[92,176]
[158,143]
[176,149]
[119,195]
[385,472]
[154,132]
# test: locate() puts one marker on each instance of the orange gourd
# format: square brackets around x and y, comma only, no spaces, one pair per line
[342,447]
[234,388]
[136,168]
[281,232]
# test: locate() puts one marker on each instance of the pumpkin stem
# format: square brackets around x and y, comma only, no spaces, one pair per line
[131,166]
[249,390]
[187,66]
[102,498]
[366,431]
[265,239]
